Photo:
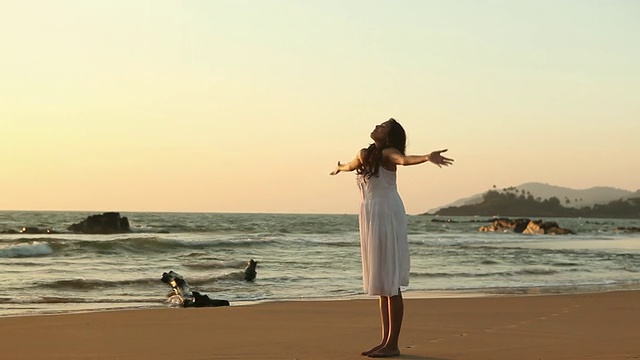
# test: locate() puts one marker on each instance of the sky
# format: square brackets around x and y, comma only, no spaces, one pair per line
[246,106]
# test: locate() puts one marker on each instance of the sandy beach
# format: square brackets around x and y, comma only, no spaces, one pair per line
[577,326]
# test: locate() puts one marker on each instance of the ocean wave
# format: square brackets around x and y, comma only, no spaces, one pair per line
[565,263]
[526,271]
[460,274]
[93,284]
[98,284]
[123,244]
[77,300]
[234,275]
[341,244]
[157,244]
[214,265]
[536,271]
[223,224]
[33,249]
[489,262]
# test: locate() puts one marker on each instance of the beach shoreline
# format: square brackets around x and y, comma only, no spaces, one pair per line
[407,294]
[600,325]
[301,257]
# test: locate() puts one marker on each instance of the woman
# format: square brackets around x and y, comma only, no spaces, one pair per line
[383,225]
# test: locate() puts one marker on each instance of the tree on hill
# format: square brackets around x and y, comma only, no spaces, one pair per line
[510,202]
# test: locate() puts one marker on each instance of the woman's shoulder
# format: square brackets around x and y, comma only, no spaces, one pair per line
[361,154]
[389,151]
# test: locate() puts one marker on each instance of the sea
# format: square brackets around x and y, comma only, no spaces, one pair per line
[300,257]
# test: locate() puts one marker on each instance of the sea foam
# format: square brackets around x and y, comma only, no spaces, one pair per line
[33,249]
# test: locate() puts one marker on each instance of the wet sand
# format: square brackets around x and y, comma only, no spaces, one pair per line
[577,326]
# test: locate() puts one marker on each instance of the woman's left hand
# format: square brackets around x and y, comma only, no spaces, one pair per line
[437,158]
[337,170]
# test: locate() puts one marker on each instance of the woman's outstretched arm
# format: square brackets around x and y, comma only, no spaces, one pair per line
[350,166]
[396,157]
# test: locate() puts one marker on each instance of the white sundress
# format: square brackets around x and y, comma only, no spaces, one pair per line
[383,235]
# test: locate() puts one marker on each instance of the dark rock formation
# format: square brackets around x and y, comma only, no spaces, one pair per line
[250,271]
[520,225]
[107,223]
[200,300]
[29,230]
[35,230]
[187,298]
[525,226]
[552,227]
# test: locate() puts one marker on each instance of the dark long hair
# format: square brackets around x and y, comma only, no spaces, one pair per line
[396,138]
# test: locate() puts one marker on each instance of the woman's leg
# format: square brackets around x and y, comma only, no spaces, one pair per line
[395,307]
[384,319]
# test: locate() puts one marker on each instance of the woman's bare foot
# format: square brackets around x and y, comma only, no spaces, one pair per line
[384,352]
[372,350]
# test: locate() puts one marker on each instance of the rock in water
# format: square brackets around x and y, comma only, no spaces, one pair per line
[250,271]
[106,223]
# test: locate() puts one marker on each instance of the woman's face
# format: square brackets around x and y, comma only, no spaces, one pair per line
[380,133]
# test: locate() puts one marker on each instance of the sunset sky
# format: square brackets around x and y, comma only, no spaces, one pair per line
[246,106]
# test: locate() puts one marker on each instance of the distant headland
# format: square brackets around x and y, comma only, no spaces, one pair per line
[542,200]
